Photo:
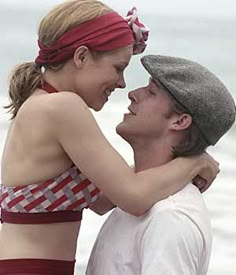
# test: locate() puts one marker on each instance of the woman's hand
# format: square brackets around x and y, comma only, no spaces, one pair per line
[208,172]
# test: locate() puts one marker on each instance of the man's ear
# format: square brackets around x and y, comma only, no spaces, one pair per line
[80,56]
[181,122]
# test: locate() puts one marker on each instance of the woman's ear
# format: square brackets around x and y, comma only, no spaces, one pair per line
[80,56]
[181,122]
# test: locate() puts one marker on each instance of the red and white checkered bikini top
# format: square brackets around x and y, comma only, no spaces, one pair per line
[59,199]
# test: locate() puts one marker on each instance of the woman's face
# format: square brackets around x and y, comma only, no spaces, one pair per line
[101,75]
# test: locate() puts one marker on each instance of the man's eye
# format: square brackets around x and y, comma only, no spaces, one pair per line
[151,92]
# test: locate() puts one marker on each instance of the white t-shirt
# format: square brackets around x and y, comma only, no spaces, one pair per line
[173,238]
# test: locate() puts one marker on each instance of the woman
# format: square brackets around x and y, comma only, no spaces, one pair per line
[55,150]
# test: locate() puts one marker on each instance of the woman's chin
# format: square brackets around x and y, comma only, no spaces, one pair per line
[97,107]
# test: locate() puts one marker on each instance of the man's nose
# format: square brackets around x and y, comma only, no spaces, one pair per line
[133,96]
[137,94]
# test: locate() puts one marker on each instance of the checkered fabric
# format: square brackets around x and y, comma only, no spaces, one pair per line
[69,191]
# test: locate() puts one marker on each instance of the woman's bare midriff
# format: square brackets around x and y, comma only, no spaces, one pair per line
[47,241]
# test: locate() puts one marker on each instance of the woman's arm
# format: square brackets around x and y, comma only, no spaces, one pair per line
[102,205]
[78,133]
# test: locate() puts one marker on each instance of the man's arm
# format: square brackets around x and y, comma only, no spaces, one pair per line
[172,244]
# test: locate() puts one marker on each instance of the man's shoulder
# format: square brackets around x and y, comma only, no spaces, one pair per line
[185,207]
[186,197]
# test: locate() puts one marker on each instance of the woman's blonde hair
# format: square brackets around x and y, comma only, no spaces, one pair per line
[26,77]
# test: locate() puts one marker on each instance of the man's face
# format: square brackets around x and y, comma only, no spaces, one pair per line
[149,113]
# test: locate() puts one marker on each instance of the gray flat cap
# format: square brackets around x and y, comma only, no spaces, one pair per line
[196,88]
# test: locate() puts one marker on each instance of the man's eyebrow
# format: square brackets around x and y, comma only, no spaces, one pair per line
[150,80]
[153,82]
[157,84]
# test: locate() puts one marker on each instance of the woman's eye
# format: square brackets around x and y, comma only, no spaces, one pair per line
[118,69]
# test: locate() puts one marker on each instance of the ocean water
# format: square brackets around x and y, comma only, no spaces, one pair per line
[207,37]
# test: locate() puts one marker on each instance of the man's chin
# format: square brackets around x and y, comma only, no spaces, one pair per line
[118,128]
[121,130]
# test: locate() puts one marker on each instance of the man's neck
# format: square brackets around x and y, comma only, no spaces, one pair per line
[151,154]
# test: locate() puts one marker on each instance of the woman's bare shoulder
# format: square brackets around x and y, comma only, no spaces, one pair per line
[52,105]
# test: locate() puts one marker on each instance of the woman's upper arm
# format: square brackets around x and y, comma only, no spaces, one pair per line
[87,147]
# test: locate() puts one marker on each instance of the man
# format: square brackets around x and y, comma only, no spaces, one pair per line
[182,111]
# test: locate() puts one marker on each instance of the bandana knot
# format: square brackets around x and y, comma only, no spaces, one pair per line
[140,31]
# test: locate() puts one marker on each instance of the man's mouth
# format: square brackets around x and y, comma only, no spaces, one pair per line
[131,111]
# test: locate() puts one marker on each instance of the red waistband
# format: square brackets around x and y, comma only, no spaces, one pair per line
[40,218]
[36,266]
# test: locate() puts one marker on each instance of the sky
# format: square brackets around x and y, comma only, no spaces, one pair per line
[214,8]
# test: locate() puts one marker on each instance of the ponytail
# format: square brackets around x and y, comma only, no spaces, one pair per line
[24,79]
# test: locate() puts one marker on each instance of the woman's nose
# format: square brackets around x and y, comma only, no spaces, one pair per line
[121,83]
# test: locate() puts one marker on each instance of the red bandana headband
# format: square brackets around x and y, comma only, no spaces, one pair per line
[105,33]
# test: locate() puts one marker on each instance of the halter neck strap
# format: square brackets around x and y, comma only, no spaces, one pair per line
[47,87]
